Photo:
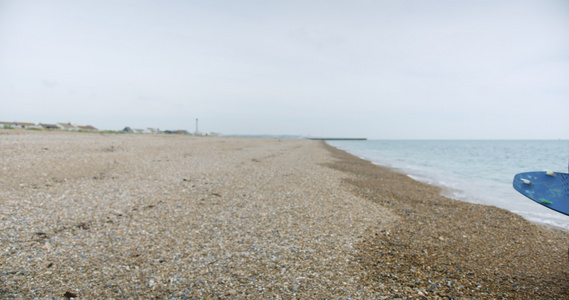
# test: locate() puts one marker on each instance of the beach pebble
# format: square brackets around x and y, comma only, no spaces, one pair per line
[158,216]
[114,216]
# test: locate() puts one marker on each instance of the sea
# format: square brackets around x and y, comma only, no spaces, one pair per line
[477,171]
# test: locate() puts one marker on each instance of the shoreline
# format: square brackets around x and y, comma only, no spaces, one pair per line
[469,197]
[453,248]
[134,216]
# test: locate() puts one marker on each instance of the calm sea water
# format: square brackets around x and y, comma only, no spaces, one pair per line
[473,171]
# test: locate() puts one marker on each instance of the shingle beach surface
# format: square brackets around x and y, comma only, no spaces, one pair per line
[106,216]
[141,216]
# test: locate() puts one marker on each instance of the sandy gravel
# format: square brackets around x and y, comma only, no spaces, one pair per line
[104,216]
[141,216]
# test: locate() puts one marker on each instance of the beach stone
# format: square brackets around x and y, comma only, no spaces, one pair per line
[223,216]
[111,216]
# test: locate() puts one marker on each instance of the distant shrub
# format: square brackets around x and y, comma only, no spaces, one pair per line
[111,131]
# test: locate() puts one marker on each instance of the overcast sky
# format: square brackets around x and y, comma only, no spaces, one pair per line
[400,69]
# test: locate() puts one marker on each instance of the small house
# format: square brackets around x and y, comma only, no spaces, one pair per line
[49,126]
[67,126]
[24,125]
[87,128]
[7,125]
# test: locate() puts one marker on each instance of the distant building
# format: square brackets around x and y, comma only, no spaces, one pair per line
[7,124]
[180,131]
[49,126]
[24,125]
[67,126]
[87,128]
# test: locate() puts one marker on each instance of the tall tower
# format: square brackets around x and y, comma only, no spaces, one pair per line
[197,126]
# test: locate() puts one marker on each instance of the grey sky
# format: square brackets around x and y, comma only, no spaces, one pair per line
[376,69]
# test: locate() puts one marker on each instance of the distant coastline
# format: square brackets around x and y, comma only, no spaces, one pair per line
[338,139]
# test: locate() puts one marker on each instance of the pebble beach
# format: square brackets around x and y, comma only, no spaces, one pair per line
[142,216]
